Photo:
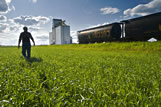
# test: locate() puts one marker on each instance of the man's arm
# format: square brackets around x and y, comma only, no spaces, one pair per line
[32,40]
[19,41]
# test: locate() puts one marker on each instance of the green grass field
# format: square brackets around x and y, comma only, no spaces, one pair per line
[99,75]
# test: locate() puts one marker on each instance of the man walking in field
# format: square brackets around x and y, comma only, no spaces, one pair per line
[26,45]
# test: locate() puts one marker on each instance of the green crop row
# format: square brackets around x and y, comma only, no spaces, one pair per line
[117,46]
[99,75]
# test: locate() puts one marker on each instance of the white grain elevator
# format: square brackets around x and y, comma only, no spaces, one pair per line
[60,33]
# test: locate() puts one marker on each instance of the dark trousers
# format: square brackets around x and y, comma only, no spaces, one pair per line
[26,47]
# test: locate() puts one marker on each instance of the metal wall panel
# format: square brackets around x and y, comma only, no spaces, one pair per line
[143,28]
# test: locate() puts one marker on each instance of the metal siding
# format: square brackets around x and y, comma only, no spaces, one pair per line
[63,35]
[50,38]
[58,35]
[66,34]
[143,28]
[115,32]
[95,36]
[99,34]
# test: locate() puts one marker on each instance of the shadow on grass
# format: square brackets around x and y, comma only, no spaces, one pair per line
[34,59]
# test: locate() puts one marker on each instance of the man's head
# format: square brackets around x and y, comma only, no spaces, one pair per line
[25,29]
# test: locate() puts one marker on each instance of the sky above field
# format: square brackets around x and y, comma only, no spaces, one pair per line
[37,15]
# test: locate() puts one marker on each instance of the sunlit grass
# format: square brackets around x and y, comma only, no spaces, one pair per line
[106,74]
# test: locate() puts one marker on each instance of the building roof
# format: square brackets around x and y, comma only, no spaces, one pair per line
[98,27]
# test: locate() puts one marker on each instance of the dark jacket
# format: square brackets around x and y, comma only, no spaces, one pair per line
[25,37]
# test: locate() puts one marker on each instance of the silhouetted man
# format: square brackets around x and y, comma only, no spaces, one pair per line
[26,45]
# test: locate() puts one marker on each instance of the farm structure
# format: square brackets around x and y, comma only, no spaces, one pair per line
[137,29]
[60,33]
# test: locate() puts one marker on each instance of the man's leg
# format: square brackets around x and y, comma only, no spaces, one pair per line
[24,51]
[28,51]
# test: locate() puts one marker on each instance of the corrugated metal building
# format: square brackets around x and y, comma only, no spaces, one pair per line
[60,33]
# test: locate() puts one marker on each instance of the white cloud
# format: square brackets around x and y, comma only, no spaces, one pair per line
[144,9]
[40,35]
[33,1]
[74,36]
[109,10]
[31,20]
[105,23]
[3,18]
[14,28]
[9,33]
[3,27]
[5,6]
[6,41]
[92,26]
[8,1]
[6,26]
[11,29]
[34,29]
[43,38]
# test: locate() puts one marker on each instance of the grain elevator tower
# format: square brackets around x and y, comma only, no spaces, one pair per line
[60,33]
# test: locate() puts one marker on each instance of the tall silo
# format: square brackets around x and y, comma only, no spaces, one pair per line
[60,33]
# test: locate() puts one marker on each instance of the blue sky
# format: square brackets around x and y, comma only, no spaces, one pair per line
[37,15]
